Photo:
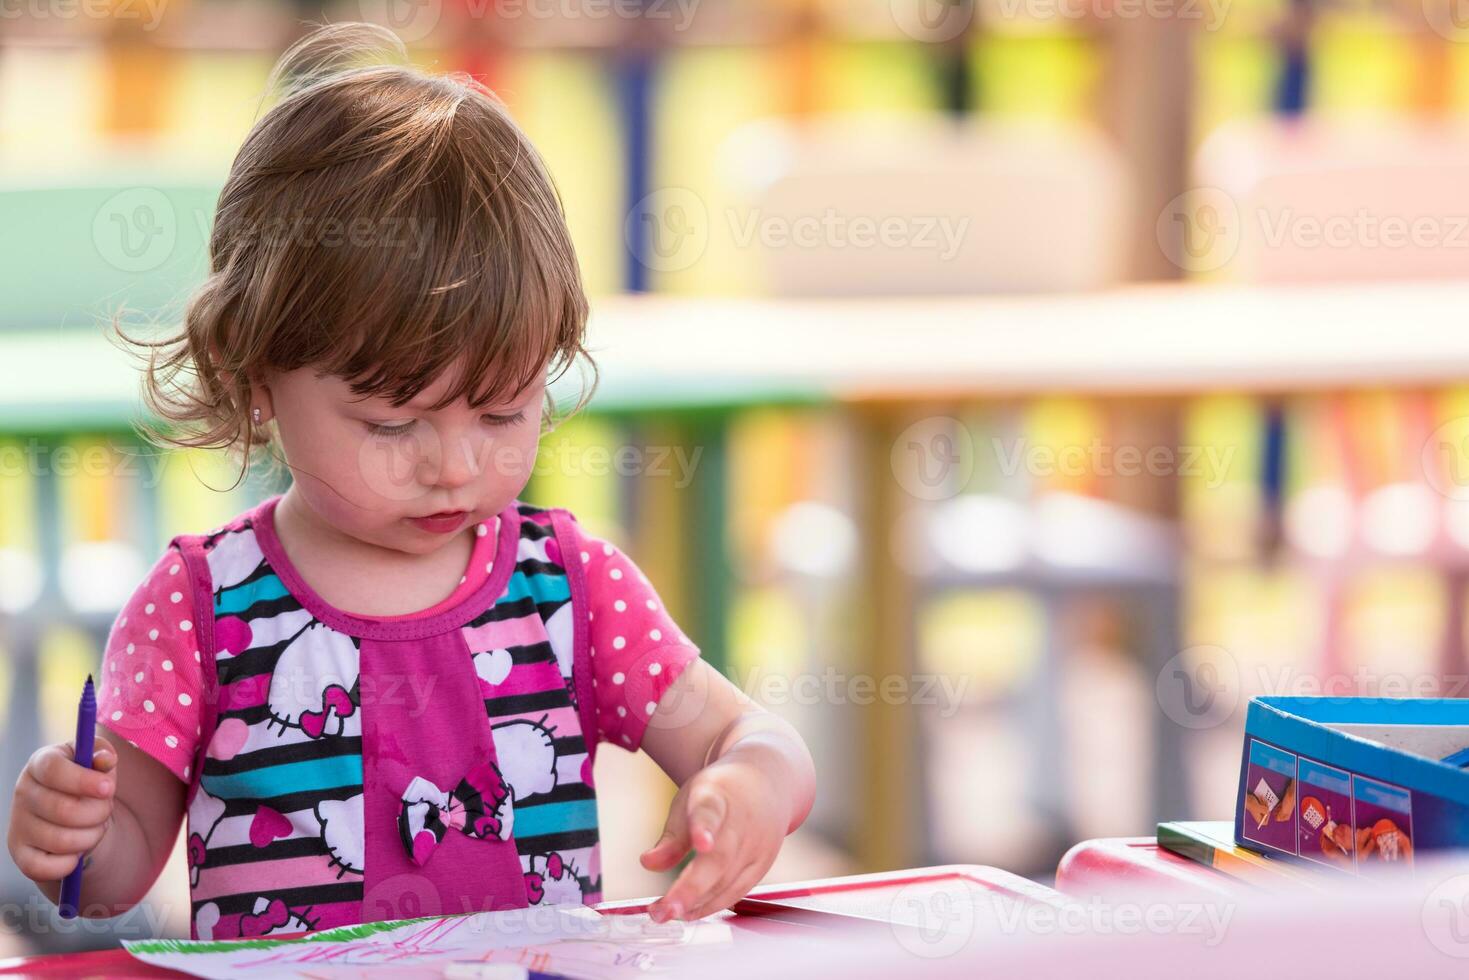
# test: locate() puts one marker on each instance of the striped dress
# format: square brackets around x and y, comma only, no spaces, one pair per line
[345,769]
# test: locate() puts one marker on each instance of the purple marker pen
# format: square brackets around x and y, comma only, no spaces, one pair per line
[71,885]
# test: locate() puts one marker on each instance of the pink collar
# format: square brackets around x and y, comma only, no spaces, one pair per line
[466,602]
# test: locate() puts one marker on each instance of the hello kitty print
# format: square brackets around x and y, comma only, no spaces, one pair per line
[295,740]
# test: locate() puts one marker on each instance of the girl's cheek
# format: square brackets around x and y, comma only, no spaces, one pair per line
[386,473]
[525,459]
[514,461]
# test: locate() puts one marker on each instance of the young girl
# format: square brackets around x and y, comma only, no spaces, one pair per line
[380,693]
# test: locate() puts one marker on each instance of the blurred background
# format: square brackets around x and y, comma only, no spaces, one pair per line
[1004,392]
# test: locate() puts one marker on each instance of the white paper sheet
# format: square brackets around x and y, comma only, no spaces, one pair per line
[572,941]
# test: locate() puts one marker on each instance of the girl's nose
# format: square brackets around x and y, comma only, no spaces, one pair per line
[459,462]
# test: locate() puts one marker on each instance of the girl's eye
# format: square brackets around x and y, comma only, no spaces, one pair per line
[500,421]
[389,430]
[402,428]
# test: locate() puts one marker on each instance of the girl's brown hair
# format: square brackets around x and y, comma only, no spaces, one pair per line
[378,224]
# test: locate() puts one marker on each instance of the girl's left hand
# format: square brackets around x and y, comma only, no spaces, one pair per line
[733,814]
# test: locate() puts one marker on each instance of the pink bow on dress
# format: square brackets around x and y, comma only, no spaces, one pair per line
[479,806]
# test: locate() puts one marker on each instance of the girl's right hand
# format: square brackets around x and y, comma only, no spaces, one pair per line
[61,810]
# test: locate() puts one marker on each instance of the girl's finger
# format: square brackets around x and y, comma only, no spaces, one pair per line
[688,889]
[730,889]
[664,854]
[692,886]
[62,841]
[53,767]
[707,811]
[38,865]
[104,756]
[64,809]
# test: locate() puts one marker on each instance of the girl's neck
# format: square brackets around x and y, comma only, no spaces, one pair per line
[358,577]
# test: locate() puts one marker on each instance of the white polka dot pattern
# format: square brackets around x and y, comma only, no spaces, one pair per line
[637,650]
[152,654]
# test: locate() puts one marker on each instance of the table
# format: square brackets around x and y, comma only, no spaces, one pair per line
[896,897]
[1097,867]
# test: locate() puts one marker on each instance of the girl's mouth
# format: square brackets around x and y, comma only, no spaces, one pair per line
[444,522]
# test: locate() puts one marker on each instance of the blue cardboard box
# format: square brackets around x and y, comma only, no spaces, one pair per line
[1359,784]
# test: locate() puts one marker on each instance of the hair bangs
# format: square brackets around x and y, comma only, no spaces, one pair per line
[479,290]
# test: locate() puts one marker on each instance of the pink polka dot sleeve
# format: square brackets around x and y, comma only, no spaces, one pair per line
[151,674]
[637,650]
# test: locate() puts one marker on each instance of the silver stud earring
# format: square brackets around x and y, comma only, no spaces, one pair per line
[255,415]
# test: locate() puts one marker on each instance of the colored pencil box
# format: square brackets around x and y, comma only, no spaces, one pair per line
[1358,784]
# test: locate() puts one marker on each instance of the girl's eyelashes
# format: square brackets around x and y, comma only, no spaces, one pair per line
[402,428]
[396,429]
[504,420]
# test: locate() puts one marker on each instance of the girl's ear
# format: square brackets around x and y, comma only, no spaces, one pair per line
[262,408]
[259,392]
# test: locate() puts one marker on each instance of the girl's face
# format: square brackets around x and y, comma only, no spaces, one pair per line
[373,471]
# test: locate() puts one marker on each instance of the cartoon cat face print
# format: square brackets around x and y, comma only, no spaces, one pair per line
[552,880]
[342,829]
[272,916]
[527,757]
[266,918]
[313,686]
